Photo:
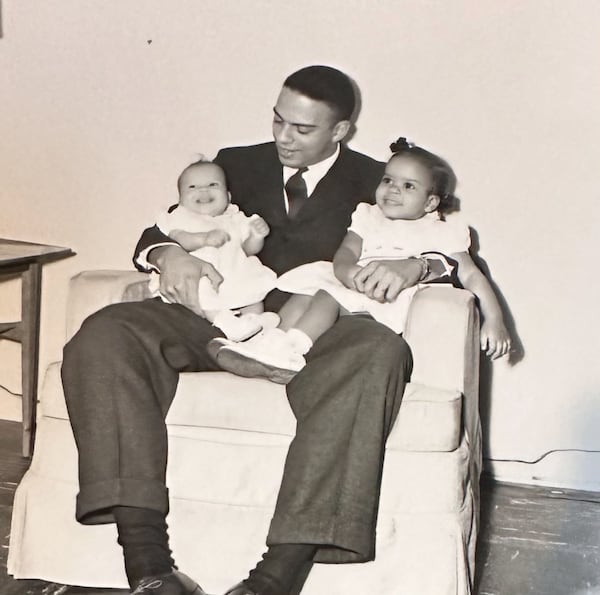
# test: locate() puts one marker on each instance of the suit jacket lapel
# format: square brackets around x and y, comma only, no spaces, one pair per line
[269,190]
[337,186]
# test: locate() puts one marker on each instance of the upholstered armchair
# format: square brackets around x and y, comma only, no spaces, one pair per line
[229,429]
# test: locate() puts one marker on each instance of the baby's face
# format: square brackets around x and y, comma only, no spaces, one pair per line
[202,189]
[404,190]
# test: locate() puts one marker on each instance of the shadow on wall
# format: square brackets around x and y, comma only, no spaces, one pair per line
[355,114]
[486,368]
[584,461]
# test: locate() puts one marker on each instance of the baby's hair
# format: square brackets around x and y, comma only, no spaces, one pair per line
[200,161]
[444,178]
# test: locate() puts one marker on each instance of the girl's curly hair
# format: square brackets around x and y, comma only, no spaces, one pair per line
[443,176]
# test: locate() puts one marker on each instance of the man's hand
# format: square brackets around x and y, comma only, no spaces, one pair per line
[383,280]
[180,274]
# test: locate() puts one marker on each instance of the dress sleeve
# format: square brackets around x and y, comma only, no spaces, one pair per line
[243,223]
[152,237]
[458,238]
[164,222]
[361,219]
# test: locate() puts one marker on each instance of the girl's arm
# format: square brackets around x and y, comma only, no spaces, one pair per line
[345,259]
[259,230]
[253,245]
[494,337]
[191,241]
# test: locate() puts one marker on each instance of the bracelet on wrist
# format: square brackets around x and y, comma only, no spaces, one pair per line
[425,270]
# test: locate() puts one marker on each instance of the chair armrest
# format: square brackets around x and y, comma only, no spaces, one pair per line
[443,333]
[90,291]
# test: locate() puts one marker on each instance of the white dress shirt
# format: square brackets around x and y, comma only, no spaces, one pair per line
[312,176]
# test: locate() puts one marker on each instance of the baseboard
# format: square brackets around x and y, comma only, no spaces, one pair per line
[574,470]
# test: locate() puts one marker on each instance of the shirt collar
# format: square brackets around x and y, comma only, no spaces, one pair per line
[315,172]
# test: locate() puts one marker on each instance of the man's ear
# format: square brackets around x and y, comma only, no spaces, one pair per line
[229,196]
[433,202]
[340,130]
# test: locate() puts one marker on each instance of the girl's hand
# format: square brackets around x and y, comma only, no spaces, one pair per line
[216,238]
[495,340]
[259,227]
[347,274]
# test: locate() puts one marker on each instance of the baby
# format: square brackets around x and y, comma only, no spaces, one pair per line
[208,226]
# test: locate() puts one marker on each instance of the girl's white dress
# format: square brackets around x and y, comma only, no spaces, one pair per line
[245,279]
[382,239]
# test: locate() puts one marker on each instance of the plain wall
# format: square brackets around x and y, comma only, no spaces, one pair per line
[103,103]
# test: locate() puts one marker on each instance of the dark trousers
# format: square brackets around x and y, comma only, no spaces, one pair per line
[120,374]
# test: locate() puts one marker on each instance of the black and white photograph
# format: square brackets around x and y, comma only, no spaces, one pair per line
[299,298]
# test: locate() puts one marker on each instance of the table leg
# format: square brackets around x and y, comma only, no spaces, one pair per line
[31,288]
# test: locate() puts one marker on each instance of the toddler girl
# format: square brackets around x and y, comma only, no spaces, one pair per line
[406,222]
[208,226]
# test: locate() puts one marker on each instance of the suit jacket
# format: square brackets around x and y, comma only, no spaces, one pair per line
[255,179]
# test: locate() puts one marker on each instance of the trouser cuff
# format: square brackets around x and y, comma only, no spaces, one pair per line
[95,501]
[339,541]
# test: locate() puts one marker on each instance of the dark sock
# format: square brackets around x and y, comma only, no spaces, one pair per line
[145,542]
[280,567]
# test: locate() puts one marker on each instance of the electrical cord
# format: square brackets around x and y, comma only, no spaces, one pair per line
[541,457]
[10,392]
[570,497]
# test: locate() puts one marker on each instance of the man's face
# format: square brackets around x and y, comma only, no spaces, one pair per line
[202,189]
[306,131]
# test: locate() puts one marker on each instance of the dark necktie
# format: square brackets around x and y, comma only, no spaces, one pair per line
[296,192]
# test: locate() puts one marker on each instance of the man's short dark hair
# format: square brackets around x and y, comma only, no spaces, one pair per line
[326,84]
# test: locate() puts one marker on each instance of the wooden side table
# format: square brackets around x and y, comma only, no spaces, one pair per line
[26,259]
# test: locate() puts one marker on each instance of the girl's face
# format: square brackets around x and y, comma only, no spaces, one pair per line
[405,189]
[202,189]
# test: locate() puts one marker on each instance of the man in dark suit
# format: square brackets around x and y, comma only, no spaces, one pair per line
[120,371]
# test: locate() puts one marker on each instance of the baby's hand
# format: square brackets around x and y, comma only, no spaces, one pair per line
[495,340]
[216,238]
[259,227]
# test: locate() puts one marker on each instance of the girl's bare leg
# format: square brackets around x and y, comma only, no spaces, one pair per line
[320,315]
[293,310]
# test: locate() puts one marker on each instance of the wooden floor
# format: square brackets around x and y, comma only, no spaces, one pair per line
[538,541]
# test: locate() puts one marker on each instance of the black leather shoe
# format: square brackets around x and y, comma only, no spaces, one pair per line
[173,583]
[241,589]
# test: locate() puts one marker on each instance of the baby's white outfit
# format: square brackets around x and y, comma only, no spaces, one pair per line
[382,239]
[245,279]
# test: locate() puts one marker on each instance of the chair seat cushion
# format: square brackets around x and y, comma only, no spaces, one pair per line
[429,418]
